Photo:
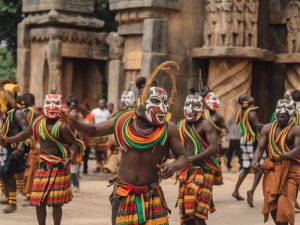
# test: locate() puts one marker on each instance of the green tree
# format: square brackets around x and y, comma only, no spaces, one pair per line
[7,65]
[10,16]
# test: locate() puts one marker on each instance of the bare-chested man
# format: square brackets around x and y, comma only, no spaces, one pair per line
[144,137]
[51,186]
[249,125]
[282,171]
[196,180]
[12,159]
[212,104]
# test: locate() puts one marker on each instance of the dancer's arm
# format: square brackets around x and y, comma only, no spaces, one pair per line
[261,145]
[89,130]
[254,121]
[168,169]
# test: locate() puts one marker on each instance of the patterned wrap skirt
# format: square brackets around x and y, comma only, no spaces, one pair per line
[195,193]
[51,185]
[134,205]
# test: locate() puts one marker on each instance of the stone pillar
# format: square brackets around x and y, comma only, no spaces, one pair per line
[154,44]
[115,67]
[54,59]
[23,59]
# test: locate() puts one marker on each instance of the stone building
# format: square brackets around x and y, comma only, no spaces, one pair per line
[240,46]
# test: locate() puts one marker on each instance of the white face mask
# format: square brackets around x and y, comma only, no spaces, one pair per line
[52,106]
[212,101]
[128,98]
[156,106]
[287,108]
[193,108]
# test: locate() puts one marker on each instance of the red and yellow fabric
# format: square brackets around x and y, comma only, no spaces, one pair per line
[195,193]
[140,205]
[242,120]
[277,145]
[52,184]
[190,135]
[218,176]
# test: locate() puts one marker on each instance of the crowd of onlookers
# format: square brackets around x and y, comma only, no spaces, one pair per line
[103,149]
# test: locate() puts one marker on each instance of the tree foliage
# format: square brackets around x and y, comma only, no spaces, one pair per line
[10,16]
[7,65]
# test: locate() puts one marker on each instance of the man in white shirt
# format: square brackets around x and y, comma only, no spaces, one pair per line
[99,144]
[101,113]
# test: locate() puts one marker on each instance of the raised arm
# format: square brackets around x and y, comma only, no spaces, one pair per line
[211,137]
[253,118]
[89,130]
[177,147]
[261,145]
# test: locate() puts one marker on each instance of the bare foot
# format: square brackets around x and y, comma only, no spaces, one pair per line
[237,196]
[9,208]
[250,198]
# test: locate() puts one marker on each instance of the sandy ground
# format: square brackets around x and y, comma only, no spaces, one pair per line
[91,205]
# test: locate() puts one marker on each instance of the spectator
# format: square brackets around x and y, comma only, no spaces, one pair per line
[101,114]
[88,117]
[234,137]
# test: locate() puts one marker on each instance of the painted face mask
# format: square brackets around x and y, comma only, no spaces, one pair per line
[193,108]
[156,106]
[212,101]
[128,98]
[285,110]
[52,105]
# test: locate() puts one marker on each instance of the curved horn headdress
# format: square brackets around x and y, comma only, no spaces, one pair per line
[166,68]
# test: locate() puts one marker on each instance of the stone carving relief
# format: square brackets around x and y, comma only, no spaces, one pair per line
[115,42]
[231,23]
[251,14]
[237,38]
[293,26]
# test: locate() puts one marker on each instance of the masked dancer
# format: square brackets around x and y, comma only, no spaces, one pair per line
[51,186]
[144,137]
[212,104]
[249,125]
[281,179]
[196,180]
[12,159]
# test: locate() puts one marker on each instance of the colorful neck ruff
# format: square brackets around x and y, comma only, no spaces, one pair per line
[242,120]
[40,131]
[211,121]
[277,145]
[127,136]
[199,145]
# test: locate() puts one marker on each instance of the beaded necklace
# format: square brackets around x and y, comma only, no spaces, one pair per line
[199,145]
[277,145]
[242,120]
[40,131]
[129,135]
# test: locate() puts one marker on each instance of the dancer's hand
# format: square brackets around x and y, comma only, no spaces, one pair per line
[65,117]
[284,156]
[255,166]
[166,170]
[3,140]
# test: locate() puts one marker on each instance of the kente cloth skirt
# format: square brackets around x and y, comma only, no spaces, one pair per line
[51,185]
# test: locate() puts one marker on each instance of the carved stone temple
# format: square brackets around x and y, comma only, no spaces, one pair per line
[240,46]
